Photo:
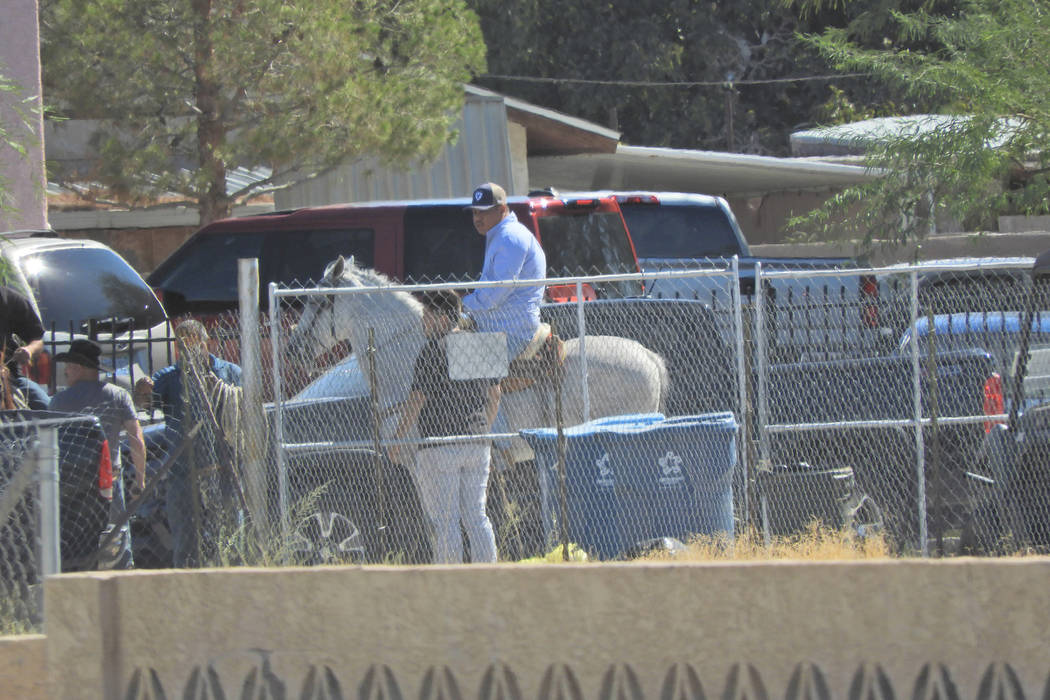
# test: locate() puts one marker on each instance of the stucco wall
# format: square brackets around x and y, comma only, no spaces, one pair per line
[922,629]
[22,175]
[23,667]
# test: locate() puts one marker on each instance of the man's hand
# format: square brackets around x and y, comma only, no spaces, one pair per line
[22,356]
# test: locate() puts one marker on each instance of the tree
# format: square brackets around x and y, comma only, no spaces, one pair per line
[184,91]
[982,68]
[674,42]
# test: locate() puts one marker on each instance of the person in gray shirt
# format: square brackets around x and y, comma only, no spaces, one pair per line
[113,406]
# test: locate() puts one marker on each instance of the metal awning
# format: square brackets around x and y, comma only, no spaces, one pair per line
[708,172]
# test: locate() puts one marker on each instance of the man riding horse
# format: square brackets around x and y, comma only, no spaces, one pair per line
[511,253]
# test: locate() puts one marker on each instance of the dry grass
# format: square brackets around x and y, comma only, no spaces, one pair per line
[816,543]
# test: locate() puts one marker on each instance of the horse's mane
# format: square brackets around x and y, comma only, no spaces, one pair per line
[364,276]
[355,275]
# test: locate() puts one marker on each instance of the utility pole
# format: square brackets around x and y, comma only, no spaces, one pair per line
[729,94]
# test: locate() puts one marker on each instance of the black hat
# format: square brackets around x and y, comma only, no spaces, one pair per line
[82,352]
[487,196]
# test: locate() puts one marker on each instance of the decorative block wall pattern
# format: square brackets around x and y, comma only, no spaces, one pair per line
[867,631]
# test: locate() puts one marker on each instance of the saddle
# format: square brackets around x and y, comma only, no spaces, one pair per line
[541,359]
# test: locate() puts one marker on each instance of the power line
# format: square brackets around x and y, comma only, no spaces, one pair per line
[673,83]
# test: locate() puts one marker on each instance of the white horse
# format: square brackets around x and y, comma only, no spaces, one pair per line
[623,376]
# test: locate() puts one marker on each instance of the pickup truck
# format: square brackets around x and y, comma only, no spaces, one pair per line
[1010,481]
[676,230]
[810,404]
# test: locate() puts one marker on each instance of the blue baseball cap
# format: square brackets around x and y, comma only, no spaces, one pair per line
[487,196]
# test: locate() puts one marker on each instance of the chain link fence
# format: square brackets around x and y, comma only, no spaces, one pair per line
[875,400]
[637,364]
[908,431]
[56,485]
[823,398]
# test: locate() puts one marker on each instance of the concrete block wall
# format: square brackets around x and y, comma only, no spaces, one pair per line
[23,667]
[892,629]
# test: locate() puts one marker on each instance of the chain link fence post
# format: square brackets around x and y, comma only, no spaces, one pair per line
[47,455]
[744,416]
[920,446]
[762,364]
[254,426]
[278,416]
[581,323]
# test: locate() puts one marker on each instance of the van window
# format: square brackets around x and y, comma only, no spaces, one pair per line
[589,244]
[300,256]
[670,231]
[441,243]
[207,268]
[72,285]
[594,243]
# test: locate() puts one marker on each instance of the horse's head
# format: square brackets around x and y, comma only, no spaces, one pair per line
[329,318]
[316,330]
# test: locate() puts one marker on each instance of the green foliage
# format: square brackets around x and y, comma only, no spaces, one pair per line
[983,71]
[186,90]
[666,41]
[19,613]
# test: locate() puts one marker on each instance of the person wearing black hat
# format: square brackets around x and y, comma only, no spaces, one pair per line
[86,393]
[511,253]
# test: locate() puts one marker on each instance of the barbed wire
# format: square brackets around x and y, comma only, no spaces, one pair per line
[672,83]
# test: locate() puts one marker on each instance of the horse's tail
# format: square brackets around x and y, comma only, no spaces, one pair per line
[664,377]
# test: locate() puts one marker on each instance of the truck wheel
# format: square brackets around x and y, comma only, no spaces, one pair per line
[884,464]
[1029,495]
[328,537]
[340,518]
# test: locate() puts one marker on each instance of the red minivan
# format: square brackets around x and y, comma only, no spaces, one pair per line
[413,241]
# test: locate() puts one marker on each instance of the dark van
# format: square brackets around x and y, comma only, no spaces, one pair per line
[413,241]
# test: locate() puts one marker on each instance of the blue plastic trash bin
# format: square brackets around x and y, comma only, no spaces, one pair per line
[590,486]
[635,478]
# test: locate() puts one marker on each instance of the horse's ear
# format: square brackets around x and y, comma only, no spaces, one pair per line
[335,269]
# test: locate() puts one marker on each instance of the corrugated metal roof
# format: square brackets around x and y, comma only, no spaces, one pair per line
[236,180]
[854,138]
[239,178]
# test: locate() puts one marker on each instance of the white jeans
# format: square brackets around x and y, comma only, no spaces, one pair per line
[452,480]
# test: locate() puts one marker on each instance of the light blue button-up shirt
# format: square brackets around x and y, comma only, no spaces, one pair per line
[511,253]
